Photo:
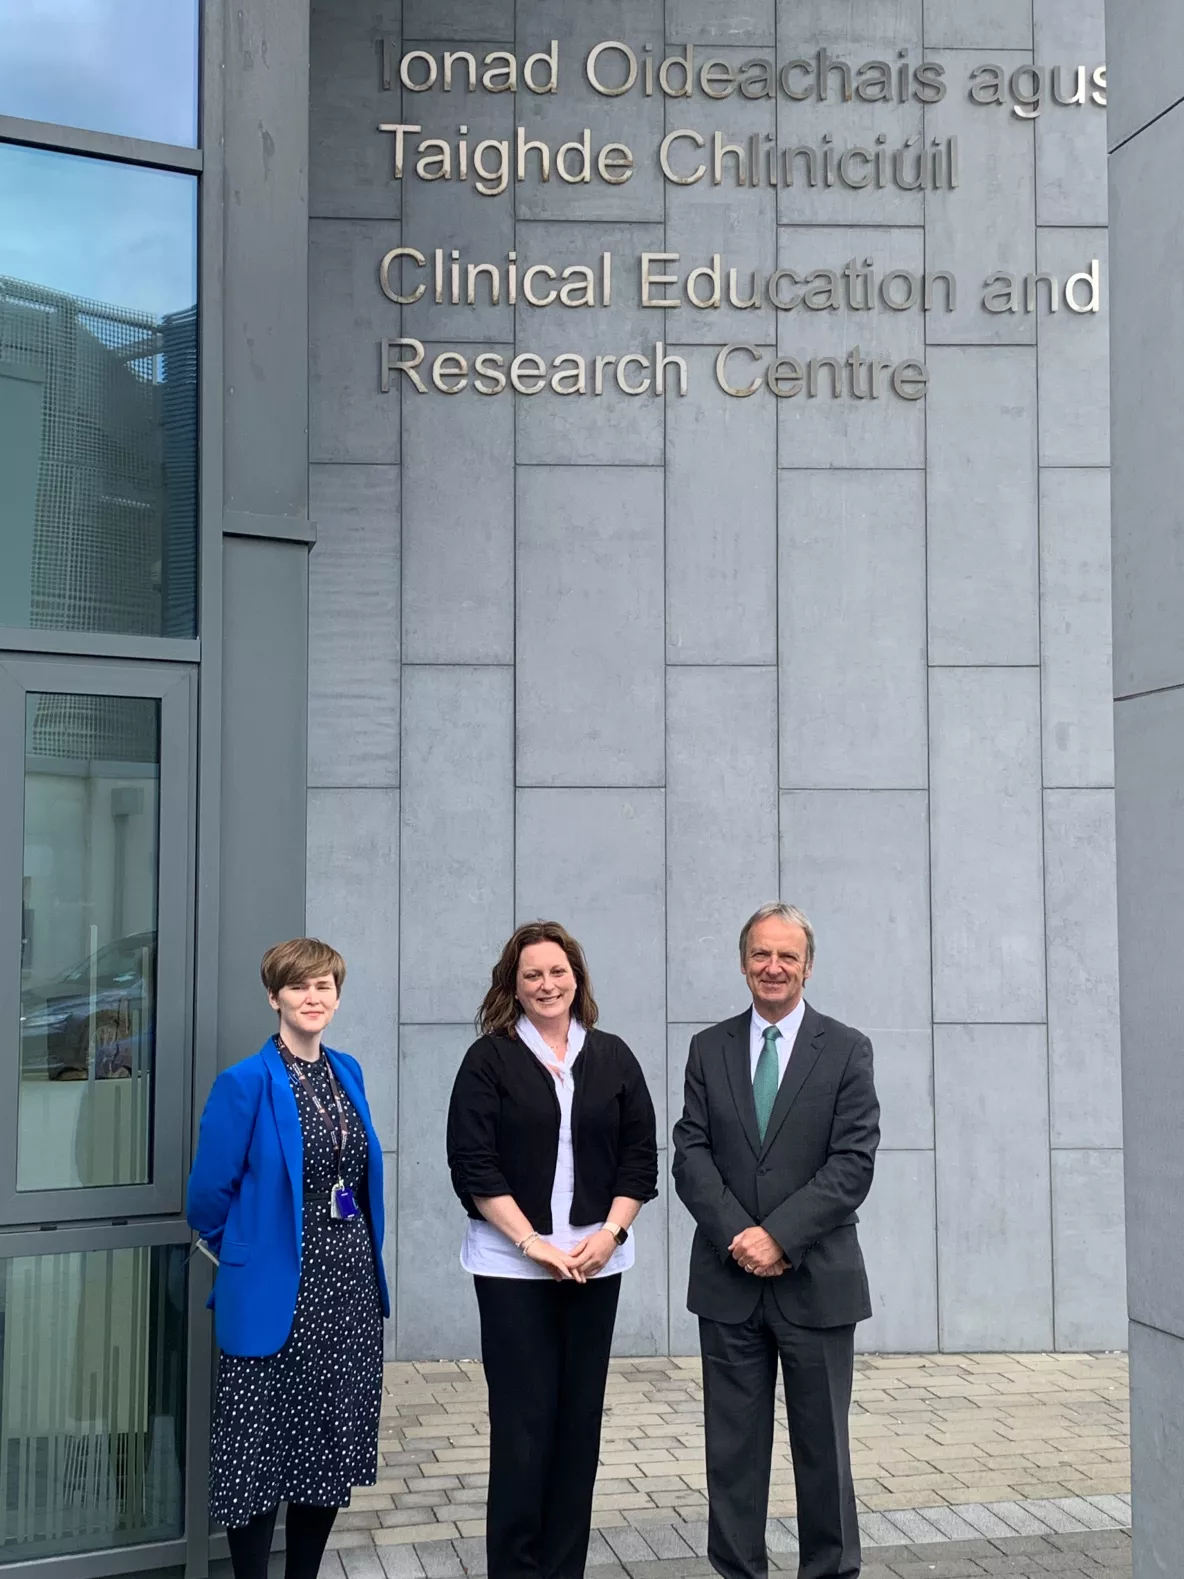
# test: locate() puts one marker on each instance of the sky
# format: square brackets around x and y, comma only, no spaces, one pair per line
[117,234]
[124,66]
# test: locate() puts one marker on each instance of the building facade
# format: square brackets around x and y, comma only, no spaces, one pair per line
[1146,132]
[764,550]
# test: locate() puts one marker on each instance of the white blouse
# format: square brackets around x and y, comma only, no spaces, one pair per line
[486,1251]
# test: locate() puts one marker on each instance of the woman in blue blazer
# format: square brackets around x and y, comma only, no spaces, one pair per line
[286,1194]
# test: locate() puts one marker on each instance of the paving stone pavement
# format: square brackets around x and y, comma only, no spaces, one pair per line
[967,1458]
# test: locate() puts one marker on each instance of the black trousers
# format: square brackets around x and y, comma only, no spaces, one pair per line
[739,1390]
[545,1348]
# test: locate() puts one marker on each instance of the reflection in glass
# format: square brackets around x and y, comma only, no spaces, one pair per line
[124,66]
[98,395]
[92,1399]
[88,967]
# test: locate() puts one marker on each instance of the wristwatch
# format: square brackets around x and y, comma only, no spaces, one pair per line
[619,1234]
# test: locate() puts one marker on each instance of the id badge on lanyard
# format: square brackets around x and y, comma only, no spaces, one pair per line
[343,1205]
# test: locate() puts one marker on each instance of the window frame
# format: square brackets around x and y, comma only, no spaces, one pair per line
[175,690]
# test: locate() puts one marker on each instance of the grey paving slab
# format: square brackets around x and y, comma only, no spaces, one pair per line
[1087,1514]
[665,1541]
[1117,1509]
[1055,1515]
[629,1544]
[1018,1517]
[950,1523]
[983,1521]
[471,1551]
[400,1562]
[439,1560]
[876,1530]
[913,1526]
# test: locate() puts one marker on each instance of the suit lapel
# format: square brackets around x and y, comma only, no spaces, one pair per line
[806,1048]
[287,1121]
[738,1063]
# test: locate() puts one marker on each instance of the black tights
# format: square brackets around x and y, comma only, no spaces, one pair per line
[308,1530]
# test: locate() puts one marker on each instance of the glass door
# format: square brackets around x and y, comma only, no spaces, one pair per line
[95,837]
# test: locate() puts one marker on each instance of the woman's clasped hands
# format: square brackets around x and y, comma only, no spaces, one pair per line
[583,1261]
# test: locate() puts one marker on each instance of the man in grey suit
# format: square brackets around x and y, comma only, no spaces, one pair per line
[773,1153]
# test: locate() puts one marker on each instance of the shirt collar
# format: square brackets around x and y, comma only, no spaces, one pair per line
[788,1027]
[533,1039]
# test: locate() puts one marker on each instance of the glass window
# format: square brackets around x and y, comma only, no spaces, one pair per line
[123,66]
[98,395]
[92,1400]
[88,966]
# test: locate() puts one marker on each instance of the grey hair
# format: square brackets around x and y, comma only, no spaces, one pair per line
[789,913]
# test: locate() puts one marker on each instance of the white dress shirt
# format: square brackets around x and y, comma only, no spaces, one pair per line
[486,1251]
[789,1028]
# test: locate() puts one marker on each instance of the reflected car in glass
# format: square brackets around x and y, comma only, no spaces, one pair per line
[103,1004]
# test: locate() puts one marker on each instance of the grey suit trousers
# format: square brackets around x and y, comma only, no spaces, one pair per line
[739,1390]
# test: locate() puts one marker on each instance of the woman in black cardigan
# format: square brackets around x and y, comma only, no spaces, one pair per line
[553,1152]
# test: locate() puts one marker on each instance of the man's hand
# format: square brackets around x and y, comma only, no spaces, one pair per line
[757,1252]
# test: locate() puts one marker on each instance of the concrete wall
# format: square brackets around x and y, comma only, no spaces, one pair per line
[642,666]
[1147,142]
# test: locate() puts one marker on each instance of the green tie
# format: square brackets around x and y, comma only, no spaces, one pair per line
[766,1080]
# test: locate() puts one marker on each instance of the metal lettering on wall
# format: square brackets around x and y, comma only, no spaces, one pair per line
[687,157]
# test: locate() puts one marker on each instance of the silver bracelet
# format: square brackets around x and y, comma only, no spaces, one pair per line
[526,1243]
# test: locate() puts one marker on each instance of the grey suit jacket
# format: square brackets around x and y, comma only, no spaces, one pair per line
[802,1184]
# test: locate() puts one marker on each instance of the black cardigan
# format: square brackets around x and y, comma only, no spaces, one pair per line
[503,1129]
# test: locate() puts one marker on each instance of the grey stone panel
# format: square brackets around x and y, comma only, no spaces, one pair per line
[431,1279]
[880,431]
[898,1233]
[875,30]
[350,163]
[593,859]
[987,224]
[904,1085]
[1157,1447]
[457,837]
[997,24]
[350,419]
[1142,57]
[557,118]
[264,764]
[643,1315]
[613,428]
[858,719]
[1070,139]
[857,862]
[353,627]
[983,507]
[453,214]
[1146,247]
[262,268]
[460,20]
[1083,1019]
[1089,1250]
[993,1189]
[987,872]
[737,222]
[458,526]
[721,522]
[590,641]
[1075,639]
[721,829]
[684,1328]
[353,903]
[1074,386]
[1149,740]
[704,22]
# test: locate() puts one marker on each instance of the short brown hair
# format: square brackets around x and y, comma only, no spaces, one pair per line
[300,959]
[500,1011]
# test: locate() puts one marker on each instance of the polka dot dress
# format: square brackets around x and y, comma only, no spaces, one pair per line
[302,1425]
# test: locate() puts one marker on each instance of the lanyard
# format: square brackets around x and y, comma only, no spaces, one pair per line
[339,1132]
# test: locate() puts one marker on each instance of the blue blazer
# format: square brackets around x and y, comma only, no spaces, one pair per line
[246,1197]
